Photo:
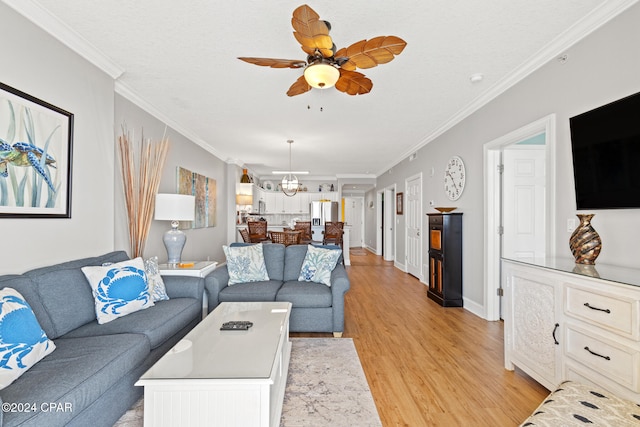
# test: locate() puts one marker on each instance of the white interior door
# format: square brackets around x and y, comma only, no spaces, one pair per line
[541,132]
[413,222]
[354,216]
[389,223]
[524,233]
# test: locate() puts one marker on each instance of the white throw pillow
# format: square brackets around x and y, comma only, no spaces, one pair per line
[119,289]
[318,264]
[156,284]
[245,264]
[22,341]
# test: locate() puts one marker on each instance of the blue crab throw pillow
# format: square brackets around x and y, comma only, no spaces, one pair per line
[318,264]
[22,341]
[245,264]
[119,289]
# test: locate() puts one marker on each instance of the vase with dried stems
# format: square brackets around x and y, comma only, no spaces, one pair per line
[142,165]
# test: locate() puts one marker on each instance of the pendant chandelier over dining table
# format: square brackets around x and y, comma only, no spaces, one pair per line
[289,184]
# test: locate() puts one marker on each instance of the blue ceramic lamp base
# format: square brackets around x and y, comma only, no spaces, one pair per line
[174,241]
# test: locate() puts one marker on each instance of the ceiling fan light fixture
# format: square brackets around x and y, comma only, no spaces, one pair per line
[321,75]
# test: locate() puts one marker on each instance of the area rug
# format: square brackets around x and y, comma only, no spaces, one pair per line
[326,386]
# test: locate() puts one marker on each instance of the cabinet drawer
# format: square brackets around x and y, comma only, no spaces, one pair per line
[435,219]
[616,361]
[615,313]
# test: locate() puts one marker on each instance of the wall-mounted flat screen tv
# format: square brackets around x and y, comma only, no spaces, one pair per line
[605,145]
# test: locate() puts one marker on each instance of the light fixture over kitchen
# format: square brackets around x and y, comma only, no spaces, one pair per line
[289,182]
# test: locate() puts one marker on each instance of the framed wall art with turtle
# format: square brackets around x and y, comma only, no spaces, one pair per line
[36,140]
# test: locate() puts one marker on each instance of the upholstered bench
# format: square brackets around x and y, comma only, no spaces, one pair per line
[576,404]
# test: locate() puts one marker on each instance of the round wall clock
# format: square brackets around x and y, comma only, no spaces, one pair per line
[454,178]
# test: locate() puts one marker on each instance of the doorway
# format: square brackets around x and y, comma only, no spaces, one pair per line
[386,221]
[413,225]
[530,149]
[354,216]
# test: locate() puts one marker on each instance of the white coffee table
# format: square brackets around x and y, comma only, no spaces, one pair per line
[223,378]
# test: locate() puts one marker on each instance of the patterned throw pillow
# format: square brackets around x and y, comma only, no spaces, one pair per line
[22,341]
[245,264]
[318,264]
[119,289]
[156,284]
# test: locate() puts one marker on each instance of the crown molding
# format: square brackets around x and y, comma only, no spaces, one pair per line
[581,29]
[126,92]
[66,35]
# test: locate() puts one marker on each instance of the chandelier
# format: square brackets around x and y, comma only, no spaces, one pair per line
[289,183]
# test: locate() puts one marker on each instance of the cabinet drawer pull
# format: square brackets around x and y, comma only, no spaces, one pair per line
[596,354]
[554,334]
[606,310]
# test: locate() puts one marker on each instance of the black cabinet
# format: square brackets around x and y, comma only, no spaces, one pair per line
[445,259]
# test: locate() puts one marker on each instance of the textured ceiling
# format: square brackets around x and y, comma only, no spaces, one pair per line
[179,60]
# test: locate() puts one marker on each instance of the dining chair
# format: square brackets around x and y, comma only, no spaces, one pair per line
[305,228]
[245,235]
[258,231]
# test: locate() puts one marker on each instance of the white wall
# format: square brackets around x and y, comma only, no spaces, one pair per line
[35,63]
[603,67]
[202,243]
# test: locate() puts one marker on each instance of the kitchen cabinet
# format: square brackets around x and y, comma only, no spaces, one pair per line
[445,259]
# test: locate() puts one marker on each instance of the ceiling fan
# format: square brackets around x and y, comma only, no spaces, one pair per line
[325,65]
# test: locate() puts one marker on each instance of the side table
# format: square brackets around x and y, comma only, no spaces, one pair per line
[199,269]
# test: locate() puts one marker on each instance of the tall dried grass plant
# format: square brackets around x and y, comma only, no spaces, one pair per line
[142,165]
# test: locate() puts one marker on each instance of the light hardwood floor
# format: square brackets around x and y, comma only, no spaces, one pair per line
[427,365]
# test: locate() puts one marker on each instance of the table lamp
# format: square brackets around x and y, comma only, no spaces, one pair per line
[174,208]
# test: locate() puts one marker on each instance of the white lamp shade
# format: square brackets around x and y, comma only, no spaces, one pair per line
[175,207]
[244,199]
[321,75]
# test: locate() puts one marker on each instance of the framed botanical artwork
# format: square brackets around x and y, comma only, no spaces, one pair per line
[36,140]
[399,203]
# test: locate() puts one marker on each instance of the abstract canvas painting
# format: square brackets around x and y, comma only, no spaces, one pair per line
[204,189]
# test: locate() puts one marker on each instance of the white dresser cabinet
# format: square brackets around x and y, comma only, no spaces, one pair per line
[533,309]
[593,313]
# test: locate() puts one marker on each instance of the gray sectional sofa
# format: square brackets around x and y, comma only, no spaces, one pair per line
[89,378]
[316,307]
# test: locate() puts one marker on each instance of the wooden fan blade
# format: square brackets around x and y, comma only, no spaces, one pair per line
[311,45]
[311,32]
[368,54]
[275,63]
[353,83]
[300,86]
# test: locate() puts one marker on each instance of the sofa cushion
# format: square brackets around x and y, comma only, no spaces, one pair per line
[253,291]
[61,286]
[245,264]
[22,341]
[318,265]
[73,376]
[157,323]
[293,259]
[29,291]
[305,294]
[118,289]
[274,260]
